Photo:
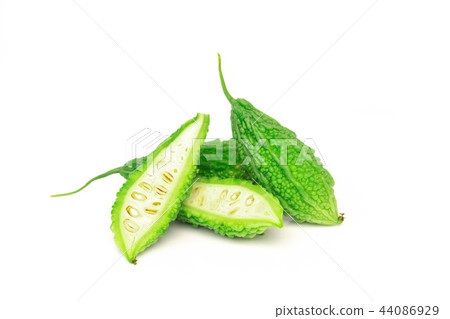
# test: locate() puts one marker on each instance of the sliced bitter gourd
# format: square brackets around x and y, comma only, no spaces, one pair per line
[231,207]
[152,195]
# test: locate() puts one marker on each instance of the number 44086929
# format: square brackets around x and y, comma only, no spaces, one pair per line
[410,310]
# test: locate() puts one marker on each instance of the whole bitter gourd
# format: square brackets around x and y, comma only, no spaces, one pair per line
[282,164]
[231,207]
[151,197]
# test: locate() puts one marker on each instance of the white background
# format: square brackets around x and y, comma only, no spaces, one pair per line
[369,84]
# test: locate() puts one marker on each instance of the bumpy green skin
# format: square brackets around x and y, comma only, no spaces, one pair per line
[303,186]
[160,226]
[220,165]
[228,226]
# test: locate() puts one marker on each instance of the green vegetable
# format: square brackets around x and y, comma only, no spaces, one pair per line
[151,197]
[231,207]
[296,177]
[218,159]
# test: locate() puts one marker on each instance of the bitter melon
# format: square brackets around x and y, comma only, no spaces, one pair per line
[151,197]
[231,207]
[282,164]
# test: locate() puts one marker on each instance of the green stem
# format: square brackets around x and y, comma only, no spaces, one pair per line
[110,172]
[224,87]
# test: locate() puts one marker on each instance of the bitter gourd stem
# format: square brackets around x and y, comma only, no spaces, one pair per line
[224,87]
[110,172]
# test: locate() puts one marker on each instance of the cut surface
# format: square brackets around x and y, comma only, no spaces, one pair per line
[234,201]
[151,197]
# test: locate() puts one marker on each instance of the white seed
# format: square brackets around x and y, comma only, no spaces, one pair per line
[224,194]
[249,200]
[235,195]
[146,186]
[130,225]
[161,190]
[167,177]
[138,196]
[133,212]
[151,211]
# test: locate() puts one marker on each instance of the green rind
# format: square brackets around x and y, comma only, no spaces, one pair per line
[178,194]
[224,166]
[247,228]
[306,189]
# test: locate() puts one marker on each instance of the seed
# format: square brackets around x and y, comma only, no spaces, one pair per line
[202,200]
[151,211]
[130,225]
[138,196]
[156,203]
[233,211]
[167,177]
[249,200]
[235,195]
[145,186]
[133,212]
[224,194]
[161,190]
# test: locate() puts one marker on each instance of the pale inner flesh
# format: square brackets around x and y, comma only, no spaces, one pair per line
[147,200]
[230,201]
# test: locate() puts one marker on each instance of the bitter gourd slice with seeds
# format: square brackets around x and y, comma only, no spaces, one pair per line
[296,177]
[151,197]
[231,207]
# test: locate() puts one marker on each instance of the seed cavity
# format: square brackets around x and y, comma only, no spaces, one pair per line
[167,177]
[235,195]
[151,211]
[202,200]
[146,186]
[224,194]
[133,212]
[130,225]
[138,196]
[161,190]
[250,200]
